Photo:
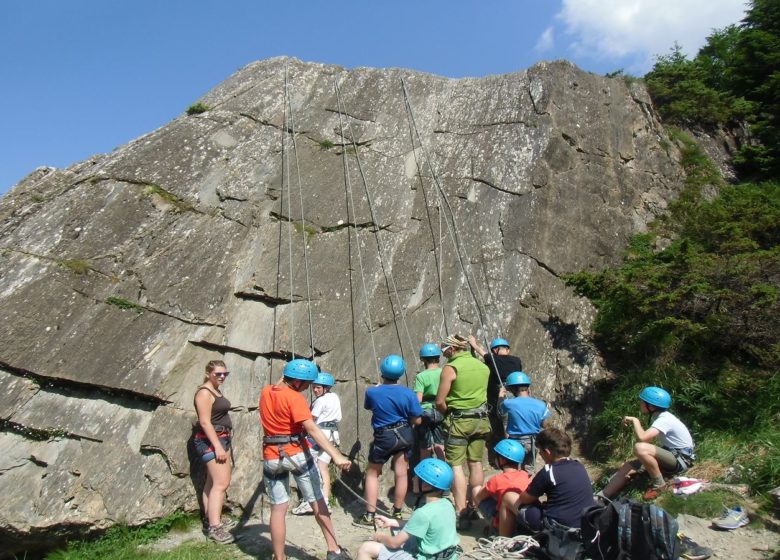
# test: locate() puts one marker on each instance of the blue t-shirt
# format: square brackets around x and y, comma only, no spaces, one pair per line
[567,487]
[391,404]
[525,415]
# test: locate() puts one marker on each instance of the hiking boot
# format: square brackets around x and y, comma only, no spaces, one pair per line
[342,554]
[397,514]
[464,520]
[220,535]
[733,518]
[303,508]
[227,522]
[472,512]
[690,550]
[367,519]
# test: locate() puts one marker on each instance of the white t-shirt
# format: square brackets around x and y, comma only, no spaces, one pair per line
[326,408]
[673,433]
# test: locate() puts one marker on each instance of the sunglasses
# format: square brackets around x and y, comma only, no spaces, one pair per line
[221,373]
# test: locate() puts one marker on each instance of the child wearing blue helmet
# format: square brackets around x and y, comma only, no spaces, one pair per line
[430,533]
[526,416]
[395,409]
[674,455]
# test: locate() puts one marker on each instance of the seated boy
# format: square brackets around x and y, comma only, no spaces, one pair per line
[488,498]
[674,456]
[430,532]
[563,480]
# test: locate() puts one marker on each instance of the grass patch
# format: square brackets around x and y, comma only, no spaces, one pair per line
[37,198]
[124,304]
[76,266]
[197,108]
[326,144]
[123,543]
[178,204]
[707,504]
[307,229]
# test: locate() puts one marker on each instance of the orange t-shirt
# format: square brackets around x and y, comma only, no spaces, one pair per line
[282,412]
[509,481]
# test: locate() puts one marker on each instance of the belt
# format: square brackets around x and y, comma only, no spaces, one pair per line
[222,431]
[329,425]
[391,427]
[282,439]
[479,412]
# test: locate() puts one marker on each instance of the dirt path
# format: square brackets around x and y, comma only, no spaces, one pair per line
[305,541]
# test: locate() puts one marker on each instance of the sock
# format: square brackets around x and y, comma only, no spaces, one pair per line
[658,482]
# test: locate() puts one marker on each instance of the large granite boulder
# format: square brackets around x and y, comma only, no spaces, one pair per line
[310,210]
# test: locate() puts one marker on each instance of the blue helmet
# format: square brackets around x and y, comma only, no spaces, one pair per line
[325,379]
[392,367]
[656,397]
[511,449]
[517,378]
[430,350]
[498,342]
[304,370]
[435,472]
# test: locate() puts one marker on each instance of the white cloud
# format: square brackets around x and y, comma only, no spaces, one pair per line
[640,29]
[546,41]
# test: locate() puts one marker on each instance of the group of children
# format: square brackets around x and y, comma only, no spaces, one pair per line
[302,441]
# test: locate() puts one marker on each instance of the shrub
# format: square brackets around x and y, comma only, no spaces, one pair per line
[197,108]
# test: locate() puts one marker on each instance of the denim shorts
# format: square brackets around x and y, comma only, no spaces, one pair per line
[276,477]
[407,552]
[205,450]
[389,442]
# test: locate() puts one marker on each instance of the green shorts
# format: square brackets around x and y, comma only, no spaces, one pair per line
[464,439]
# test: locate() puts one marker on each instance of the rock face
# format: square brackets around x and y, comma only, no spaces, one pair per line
[371,218]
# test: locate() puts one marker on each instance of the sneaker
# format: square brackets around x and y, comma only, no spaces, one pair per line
[227,522]
[464,521]
[690,550]
[367,520]
[220,535]
[342,554]
[472,512]
[397,514]
[733,518]
[302,509]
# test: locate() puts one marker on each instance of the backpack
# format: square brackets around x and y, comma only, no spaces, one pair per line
[626,529]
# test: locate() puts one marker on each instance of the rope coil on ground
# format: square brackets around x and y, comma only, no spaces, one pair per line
[502,547]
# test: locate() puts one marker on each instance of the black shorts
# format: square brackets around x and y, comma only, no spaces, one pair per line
[389,442]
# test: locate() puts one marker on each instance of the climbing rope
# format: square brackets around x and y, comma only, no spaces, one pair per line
[304,233]
[389,280]
[460,251]
[501,547]
[286,175]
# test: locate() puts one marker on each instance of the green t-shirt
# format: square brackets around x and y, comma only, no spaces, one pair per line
[427,383]
[433,525]
[469,390]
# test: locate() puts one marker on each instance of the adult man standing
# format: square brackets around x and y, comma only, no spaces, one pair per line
[500,363]
[462,400]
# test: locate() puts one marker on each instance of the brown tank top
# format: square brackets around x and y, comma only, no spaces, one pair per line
[219,410]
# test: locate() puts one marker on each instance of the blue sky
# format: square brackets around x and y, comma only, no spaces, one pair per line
[81,77]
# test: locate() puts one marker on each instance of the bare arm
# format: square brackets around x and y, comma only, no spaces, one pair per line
[392,541]
[318,436]
[204,400]
[476,346]
[419,396]
[448,375]
[526,498]
[641,434]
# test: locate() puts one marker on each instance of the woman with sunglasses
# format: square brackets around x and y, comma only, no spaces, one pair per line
[212,443]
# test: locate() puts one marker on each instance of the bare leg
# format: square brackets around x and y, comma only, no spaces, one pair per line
[401,471]
[322,515]
[507,514]
[618,480]
[459,488]
[278,529]
[368,550]
[372,485]
[219,477]
[476,475]
[325,477]
[645,452]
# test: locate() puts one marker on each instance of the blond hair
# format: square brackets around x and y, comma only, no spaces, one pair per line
[210,367]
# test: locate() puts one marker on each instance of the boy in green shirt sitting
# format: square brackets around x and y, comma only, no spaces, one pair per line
[430,533]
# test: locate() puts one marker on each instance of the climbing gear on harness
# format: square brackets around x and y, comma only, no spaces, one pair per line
[392,367]
[324,379]
[517,378]
[479,412]
[498,343]
[301,369]
[656,396]
[435,472]
[430,350]
[511,450]
[447,553]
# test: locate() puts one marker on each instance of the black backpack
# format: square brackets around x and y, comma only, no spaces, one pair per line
[626,529]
